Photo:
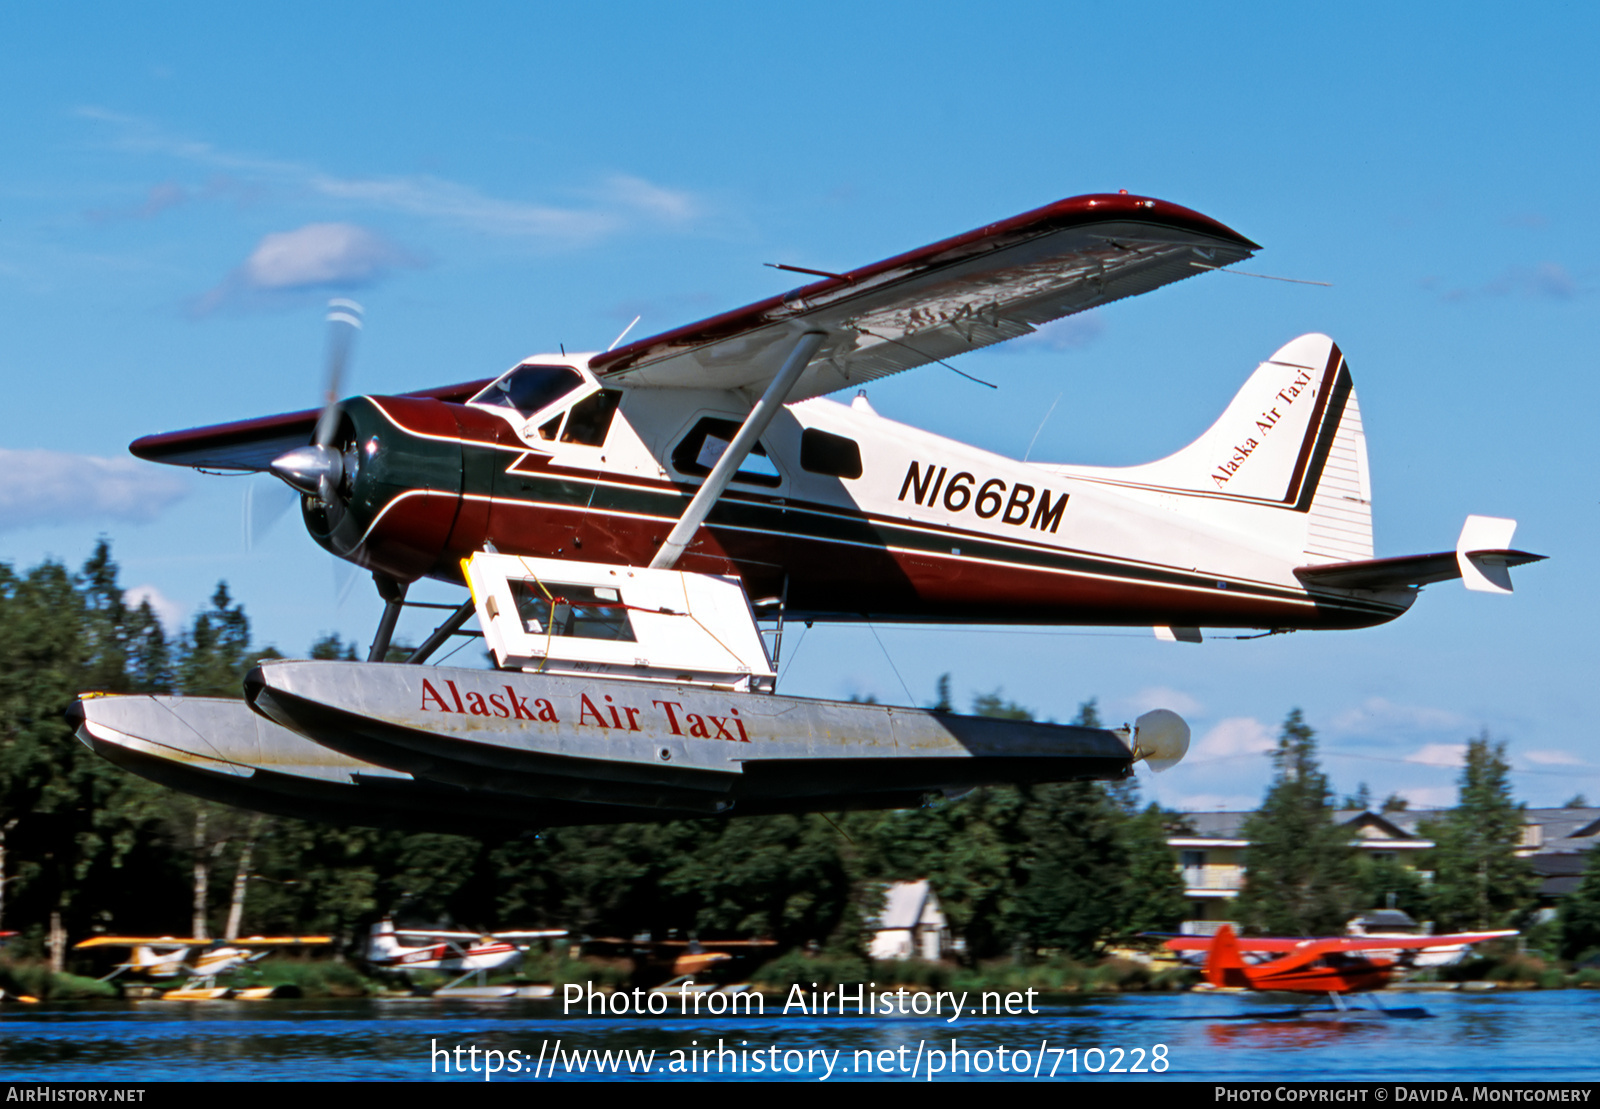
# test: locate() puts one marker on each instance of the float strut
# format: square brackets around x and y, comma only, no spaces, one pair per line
[394,597]
[738,450]
[443,632]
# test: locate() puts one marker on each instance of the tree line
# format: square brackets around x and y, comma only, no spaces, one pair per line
[1303,878]
[86,847]
[1065,868]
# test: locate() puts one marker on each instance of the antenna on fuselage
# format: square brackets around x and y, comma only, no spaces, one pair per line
[623,336]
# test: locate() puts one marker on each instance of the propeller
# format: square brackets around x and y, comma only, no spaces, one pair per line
[317,469]
[264,505]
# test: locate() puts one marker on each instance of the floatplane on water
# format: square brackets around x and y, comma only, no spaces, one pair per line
[623,519]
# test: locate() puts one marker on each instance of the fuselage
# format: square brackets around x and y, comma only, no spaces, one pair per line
[841,514]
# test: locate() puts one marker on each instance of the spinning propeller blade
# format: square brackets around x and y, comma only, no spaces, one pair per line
[317,469]
[264,506]
[344,320]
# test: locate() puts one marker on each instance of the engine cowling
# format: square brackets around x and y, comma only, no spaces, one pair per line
[397,497]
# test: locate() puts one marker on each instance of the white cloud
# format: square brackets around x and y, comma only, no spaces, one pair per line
[445,200]
[1235,736]
[1071,333]
[1440,754]
[1216,802]
[321,254]
[160,197]
[1430,797]
[1545,281]
[316,257]
[49,487]
[1380,717]
[613,205]
[644,196]
[1158,697]
[1553,758]
[168,611]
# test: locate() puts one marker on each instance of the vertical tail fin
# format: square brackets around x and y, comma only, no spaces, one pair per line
[381,942]
[1288,458]
[1224,964]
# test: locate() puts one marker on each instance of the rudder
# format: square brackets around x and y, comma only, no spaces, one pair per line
[1224,964]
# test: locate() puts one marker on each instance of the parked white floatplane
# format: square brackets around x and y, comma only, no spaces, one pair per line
[622,518]
[470,954]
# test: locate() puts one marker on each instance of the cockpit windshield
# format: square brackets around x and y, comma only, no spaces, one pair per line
[529,388]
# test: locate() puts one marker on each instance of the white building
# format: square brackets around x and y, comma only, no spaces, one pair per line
[911,925]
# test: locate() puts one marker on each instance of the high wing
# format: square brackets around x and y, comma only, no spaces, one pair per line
[709,945]
[546,934]
[180,941]
[141,941]
[995,283]
[251,445]
[1403,943]
[1267,944]
[1283,945]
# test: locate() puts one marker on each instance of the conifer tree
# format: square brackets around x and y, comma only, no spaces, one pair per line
[1580,913]
[1300,877]
[1479,882]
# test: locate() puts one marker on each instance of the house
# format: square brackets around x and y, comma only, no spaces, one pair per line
[911,925]
[1211,857]
[1556,843]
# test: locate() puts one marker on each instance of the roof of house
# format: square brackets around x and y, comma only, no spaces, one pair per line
[905,904]
[1385,920]
[1560,830]
[1230,825]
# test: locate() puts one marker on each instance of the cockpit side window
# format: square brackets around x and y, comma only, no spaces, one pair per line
[591,418]
[529,388]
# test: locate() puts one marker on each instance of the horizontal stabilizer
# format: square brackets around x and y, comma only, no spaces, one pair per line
[1391,573]
[1482,558]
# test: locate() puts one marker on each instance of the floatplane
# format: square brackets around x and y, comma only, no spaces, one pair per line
[1328,965]
[472,954]
[201,962]
[625,520]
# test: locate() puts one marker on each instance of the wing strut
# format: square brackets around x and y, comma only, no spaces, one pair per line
[732,458]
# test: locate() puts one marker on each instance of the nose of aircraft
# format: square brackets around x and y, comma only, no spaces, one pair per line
[313,469]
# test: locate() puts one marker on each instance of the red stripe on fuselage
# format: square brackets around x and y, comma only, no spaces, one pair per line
[827,577]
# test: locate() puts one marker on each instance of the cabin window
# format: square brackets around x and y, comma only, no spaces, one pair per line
[530,388]
[579,611]
[590,419]
[834,455]
[701,448]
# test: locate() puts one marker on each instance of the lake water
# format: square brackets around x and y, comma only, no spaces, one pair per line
[1535,1036]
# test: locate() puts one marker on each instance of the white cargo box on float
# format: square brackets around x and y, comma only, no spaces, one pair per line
[552,616]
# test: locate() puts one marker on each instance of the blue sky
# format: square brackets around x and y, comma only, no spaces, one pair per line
[184,187]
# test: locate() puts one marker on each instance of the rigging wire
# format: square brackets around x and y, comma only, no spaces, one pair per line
[919,354]
[910,700]
[793,651]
